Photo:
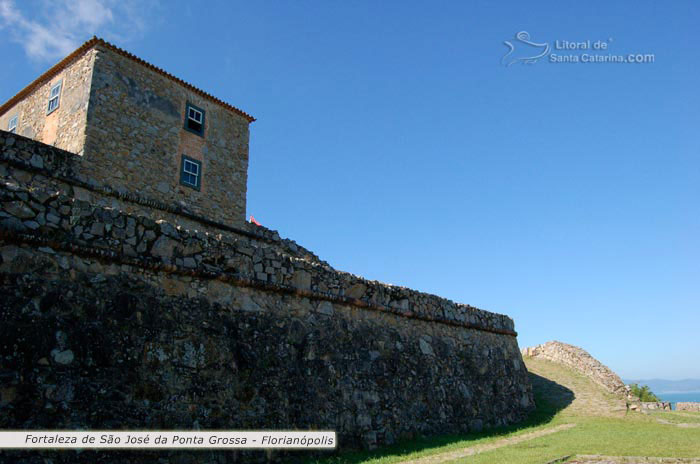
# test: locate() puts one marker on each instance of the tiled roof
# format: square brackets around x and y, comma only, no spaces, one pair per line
[95,41]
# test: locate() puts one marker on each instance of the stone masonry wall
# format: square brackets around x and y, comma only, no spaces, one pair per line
[29,167]
[41,167]
[114,319]
[688,406]
[64,127]
[655,405]
[579,360]
[136,139]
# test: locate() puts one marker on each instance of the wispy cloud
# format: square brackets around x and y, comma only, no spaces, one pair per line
[52,29]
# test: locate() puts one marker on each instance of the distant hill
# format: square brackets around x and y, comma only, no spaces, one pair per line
[668,386]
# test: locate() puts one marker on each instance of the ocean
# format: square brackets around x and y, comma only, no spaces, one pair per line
[676,397]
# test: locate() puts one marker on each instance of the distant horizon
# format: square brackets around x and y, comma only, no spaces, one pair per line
[668,386]
[666,380]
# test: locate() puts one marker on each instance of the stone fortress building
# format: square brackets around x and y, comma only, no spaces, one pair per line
[140,127]
[135,295]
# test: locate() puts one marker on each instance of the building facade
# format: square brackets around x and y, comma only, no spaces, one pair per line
[140,129]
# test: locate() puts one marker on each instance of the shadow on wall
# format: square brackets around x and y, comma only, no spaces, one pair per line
[550,398]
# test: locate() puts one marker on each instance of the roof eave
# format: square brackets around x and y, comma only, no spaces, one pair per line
[95,41]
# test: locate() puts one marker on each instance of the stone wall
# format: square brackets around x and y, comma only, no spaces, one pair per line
[655,405]
[136,139]
[688,406]
[64,127]
[579,360]
[38,166]
[118,316]
[29,168]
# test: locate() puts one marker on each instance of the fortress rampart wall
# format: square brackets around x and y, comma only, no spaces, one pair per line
[124,312]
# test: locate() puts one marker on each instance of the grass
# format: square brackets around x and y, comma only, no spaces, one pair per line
[601,435]
[563,397]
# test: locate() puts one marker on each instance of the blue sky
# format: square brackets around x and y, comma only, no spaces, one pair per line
[393,141]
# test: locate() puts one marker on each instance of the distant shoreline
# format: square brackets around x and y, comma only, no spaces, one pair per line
[678,392]
[661,387]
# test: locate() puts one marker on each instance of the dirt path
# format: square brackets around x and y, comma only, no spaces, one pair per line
[476,449]
[679,424]
[687,414]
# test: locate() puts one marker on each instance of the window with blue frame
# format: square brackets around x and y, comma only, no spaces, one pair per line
[54,97]
[194,119]
[191,172]
[12,125]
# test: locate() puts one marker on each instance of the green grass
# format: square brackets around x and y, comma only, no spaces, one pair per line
[628,436]
[563,397]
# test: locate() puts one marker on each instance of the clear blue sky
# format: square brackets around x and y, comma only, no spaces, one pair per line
[393,142]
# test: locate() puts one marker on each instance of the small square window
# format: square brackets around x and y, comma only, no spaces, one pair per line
[194,119]
[12,125]
[54,97]
[191,172]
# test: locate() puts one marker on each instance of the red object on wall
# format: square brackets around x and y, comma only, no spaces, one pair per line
[252,220]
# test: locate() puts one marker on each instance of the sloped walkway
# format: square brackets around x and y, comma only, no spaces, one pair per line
[683,425]
[588,398]
[476,449]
